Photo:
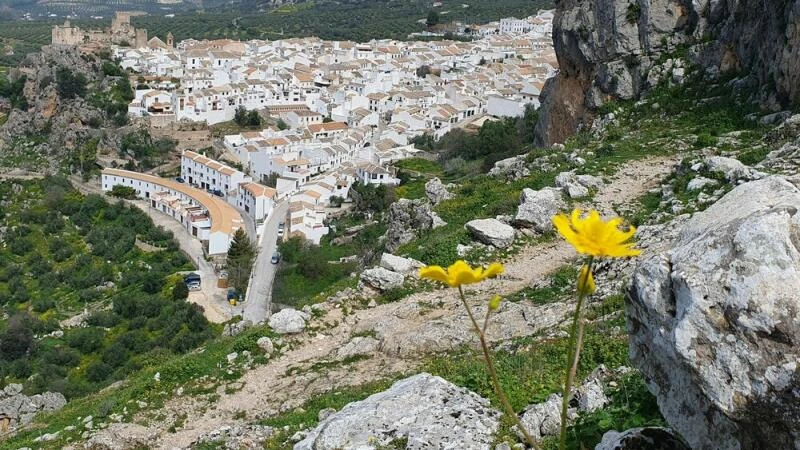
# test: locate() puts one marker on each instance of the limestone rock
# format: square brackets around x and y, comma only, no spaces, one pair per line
[437,192]
[426,410]
[491,232]
[699,183]
[591,396]
[650,438]
[407,218]
[358,346]
[399,264]
[537,208]
[733,169]
[265,344]
[234,329]
[611,50]
[20,408]
[577,186]
[715,321]
[544,419]
[288,321]
[238,437]
[121,436]
[382,279]
[786,159]
[512,168]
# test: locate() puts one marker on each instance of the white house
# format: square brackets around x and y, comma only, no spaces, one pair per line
[206,173]
[257,200]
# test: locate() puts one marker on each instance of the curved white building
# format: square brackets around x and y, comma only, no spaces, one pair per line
[207,217]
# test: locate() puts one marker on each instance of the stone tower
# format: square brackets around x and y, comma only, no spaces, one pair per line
[141,38]
[170,40]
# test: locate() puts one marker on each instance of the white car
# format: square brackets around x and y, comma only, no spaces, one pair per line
[193,286]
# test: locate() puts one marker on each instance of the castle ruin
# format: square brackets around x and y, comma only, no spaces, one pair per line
[121,32]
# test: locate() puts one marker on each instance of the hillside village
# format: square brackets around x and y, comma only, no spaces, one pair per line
[350,109]
[668,295]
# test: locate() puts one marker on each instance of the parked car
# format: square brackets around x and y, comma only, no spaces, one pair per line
[276,258]
[281,227]
[180,180]
[191,278]
[193,286]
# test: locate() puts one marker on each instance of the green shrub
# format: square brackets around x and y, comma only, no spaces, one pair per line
[705,140]
[69,84]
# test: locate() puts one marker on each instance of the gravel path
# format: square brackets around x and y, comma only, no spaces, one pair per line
[267,389]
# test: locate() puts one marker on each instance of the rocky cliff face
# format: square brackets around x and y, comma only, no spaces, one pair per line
[616,49]
[715,322]
[51,127]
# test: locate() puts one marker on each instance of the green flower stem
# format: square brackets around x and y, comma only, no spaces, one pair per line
[492,372]
[575,342]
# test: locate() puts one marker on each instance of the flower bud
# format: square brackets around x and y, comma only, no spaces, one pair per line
[494,303]
[586,284]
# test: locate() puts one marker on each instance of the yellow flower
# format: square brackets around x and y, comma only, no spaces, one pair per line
[592,236]
[586,281]
[460,273]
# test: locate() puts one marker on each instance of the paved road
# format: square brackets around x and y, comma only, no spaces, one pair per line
[259,296]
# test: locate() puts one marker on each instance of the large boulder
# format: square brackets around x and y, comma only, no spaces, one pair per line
[437,192]
[407,218]
[544,419]
[537,208]
[382,279]
[426,411]
[512,168]
[650,438]
[21,409]
[715,321]
[288,321]
[733,169]
[399,264]
[491,232]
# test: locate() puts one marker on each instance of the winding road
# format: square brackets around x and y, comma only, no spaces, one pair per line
[257,305]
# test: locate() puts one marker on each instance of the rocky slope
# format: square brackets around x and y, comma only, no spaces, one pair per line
[44,136]
[618,49]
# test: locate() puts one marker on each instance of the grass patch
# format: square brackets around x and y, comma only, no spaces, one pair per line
[559,284]
[478,197]
[307,271]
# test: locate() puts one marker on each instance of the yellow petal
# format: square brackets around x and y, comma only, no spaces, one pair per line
[494,269]
[435,273]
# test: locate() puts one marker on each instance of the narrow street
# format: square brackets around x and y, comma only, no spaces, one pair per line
[259,295]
